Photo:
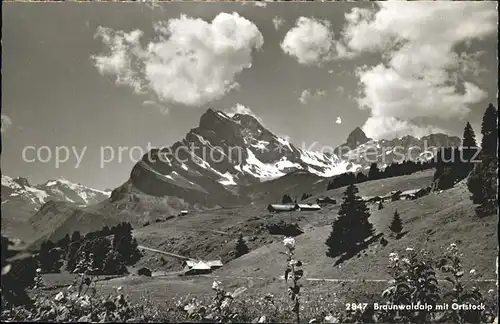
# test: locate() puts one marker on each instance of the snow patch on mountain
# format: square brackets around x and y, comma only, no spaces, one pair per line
[39,195]
[283,164]
[227,180]
[60,190]
[284,142]
[260,170]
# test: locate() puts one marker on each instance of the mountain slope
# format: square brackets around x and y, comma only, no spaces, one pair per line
[224,162]
[432,222]
[20,200]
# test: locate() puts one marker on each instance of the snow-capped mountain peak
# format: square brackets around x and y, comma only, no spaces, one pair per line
[230,151]
[60,190]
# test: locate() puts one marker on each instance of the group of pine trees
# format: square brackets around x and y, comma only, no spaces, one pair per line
[109,255]
[374,173]
[478,164]
[287,199]
[482,181]
[352,228]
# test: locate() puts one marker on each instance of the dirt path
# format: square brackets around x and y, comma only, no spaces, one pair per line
[142,247]
[333,280]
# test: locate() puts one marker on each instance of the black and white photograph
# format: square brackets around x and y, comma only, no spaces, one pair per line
[249,162]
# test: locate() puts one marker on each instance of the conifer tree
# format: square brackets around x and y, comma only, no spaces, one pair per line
[351,227]
[483,185]
[374,172]
[469,144]
[483,180]
[396,224]
[241,247]
[489,131]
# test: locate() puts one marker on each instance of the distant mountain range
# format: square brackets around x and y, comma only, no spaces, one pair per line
[21,200]
[225,161]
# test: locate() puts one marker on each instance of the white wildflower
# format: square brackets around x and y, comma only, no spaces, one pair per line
[38,270]
[331,319]
[406,260]
[84,301]
[393,257]
[409,249]
[289,242]
[190,308]
[472,271]
[490,291]
[216,284]
[119,288]
[59,296]
[225,303]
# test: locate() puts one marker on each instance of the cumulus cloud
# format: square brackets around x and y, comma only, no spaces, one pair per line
[278,22]
[306,95]
[6,123]
[391,127]
[310,41]
[243,110]
[421,73]
[338,120]
[191,61]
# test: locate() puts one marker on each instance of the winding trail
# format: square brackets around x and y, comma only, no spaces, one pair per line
[142,247]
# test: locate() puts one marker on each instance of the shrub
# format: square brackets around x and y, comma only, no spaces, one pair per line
[414,282]
[18,274]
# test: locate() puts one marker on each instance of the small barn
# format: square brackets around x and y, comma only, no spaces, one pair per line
[423,192]
[193,267]
[144,272]
[325,201]
[214,264]
[277,208]
[395,195]
[373,199]
[307,207]
[196,267]
[409,194]
[183,212]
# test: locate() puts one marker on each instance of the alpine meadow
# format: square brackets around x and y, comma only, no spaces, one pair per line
[249,162]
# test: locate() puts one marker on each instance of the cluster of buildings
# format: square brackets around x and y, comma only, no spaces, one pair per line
[193,267]
[399,195]
[276,208]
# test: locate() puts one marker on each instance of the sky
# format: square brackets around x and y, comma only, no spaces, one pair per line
[100,83]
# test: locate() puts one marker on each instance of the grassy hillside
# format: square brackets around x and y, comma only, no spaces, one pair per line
[431,222]
[212,234]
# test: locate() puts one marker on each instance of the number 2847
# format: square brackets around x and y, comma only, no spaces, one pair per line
[354,307]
